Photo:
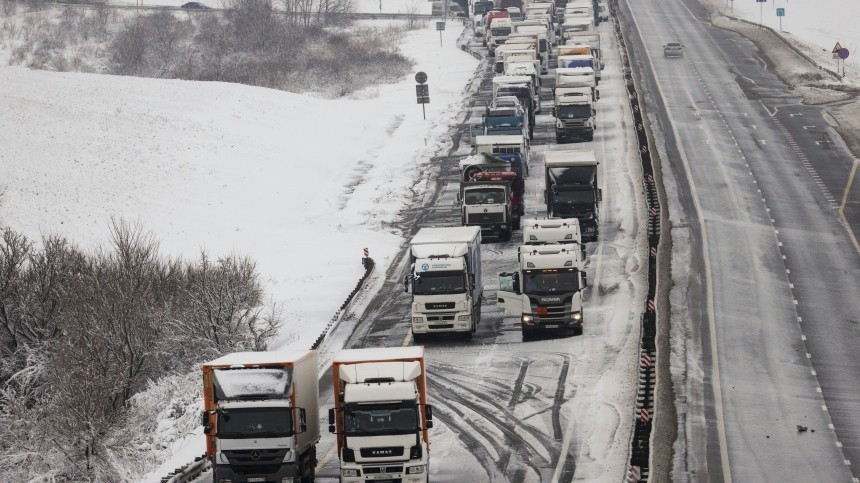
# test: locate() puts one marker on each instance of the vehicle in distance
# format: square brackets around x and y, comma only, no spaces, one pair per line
[194,6]
[673,49]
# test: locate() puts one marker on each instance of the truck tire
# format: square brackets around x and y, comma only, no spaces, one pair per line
[589,136]
[528,334]
[418,338]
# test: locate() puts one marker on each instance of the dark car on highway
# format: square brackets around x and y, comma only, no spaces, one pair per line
[194,6]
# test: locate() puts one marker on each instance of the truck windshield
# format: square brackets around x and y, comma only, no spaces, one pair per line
[574,196]
[485,196]
[500,31]
[262,422]
[439,283]
[551,281]
[574,111]
[361,420]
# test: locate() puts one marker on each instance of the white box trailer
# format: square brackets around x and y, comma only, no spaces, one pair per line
[445,279]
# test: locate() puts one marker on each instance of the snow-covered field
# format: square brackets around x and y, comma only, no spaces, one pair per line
[817,25]
[300,184]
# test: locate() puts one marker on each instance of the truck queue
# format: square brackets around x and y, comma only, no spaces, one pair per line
[261,408]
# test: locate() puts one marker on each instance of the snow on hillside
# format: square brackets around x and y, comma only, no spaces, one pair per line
[818,25]
[300,184]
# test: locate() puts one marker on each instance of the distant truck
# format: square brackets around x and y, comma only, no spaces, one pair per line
[504,119]
[381,415]
[545,291]
[261,416]
[491,196]
[497,33]
[575,115]
[445,280]
[514,149]
[558,230]
[570,177]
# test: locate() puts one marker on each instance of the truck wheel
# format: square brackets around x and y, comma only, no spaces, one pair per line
[589,136]
[417,337]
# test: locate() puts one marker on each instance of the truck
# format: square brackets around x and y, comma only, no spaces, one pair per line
[545,291]
[576,77]
[445,280]
[261,416]
[491,193]
[504,119]
[380,416]
[584,44]
[579,61]
[540,42]
[513,85]
[558,230]
[575,115]
[570,177]
[497,33]
[513,148]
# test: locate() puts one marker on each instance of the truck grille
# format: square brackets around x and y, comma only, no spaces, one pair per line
[382,452]
[435,319]
[572,123]
[255,457]
[484,218]
[439,305]
[375,470]
[555,314]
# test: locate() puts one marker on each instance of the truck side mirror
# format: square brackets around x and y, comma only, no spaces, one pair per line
[599,194]
[207,426]
[331,428]
[428,413]
[584,280]
[553,112]
[406,284]
[597,93]
[303,421]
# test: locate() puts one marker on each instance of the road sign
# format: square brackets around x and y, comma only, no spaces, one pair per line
[440,26]
[421,77]
[837,48]
[780,12]
[422,90]
[843,53]
[761,1]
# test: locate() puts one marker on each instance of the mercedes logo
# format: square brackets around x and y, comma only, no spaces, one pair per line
[255,455]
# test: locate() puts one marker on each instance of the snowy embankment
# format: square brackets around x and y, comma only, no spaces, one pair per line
[299,184]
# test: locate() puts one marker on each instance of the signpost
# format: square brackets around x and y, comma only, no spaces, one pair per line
[440,26]
[422,92]
[780,12]
[840,54]
[761,11]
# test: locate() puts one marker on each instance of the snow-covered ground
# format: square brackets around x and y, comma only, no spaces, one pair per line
[300,184]
[817,25]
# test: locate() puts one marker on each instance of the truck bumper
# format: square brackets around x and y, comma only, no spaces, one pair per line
[285,473]
[532,323]
[495,230]
[441,323]
[565,134]
[394,472]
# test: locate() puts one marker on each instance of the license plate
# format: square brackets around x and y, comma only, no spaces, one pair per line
[551,326]
[253,479]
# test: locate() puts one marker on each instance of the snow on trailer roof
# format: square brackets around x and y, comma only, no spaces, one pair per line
[569,156]
[380,354]
[496,140]
[512,79]
[439,250]
[260,358]
[574,70]
[446,234]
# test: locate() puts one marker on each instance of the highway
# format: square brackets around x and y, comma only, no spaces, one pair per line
[764,309]
[552,409]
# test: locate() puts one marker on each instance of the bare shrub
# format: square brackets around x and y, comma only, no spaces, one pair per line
[129,48]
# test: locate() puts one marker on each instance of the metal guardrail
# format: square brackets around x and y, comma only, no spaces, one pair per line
[640,443]
[188,473]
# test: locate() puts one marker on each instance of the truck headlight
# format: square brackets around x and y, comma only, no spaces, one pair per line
[558,123]
[415,470]
[463,318]
[349,473]
[576,316]
[417,320]
[528,319]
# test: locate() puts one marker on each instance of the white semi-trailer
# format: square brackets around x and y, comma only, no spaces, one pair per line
[381,415]
[445,280]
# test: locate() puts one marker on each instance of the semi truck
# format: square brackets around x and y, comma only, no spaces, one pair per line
[514,85]
[380,415]
[576,77]
[512,148]
[445,280]
[487,202]
[575,115]
[497,33]
[570,178]
[558,230]
[503,119]
[261,416]
[545,291]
